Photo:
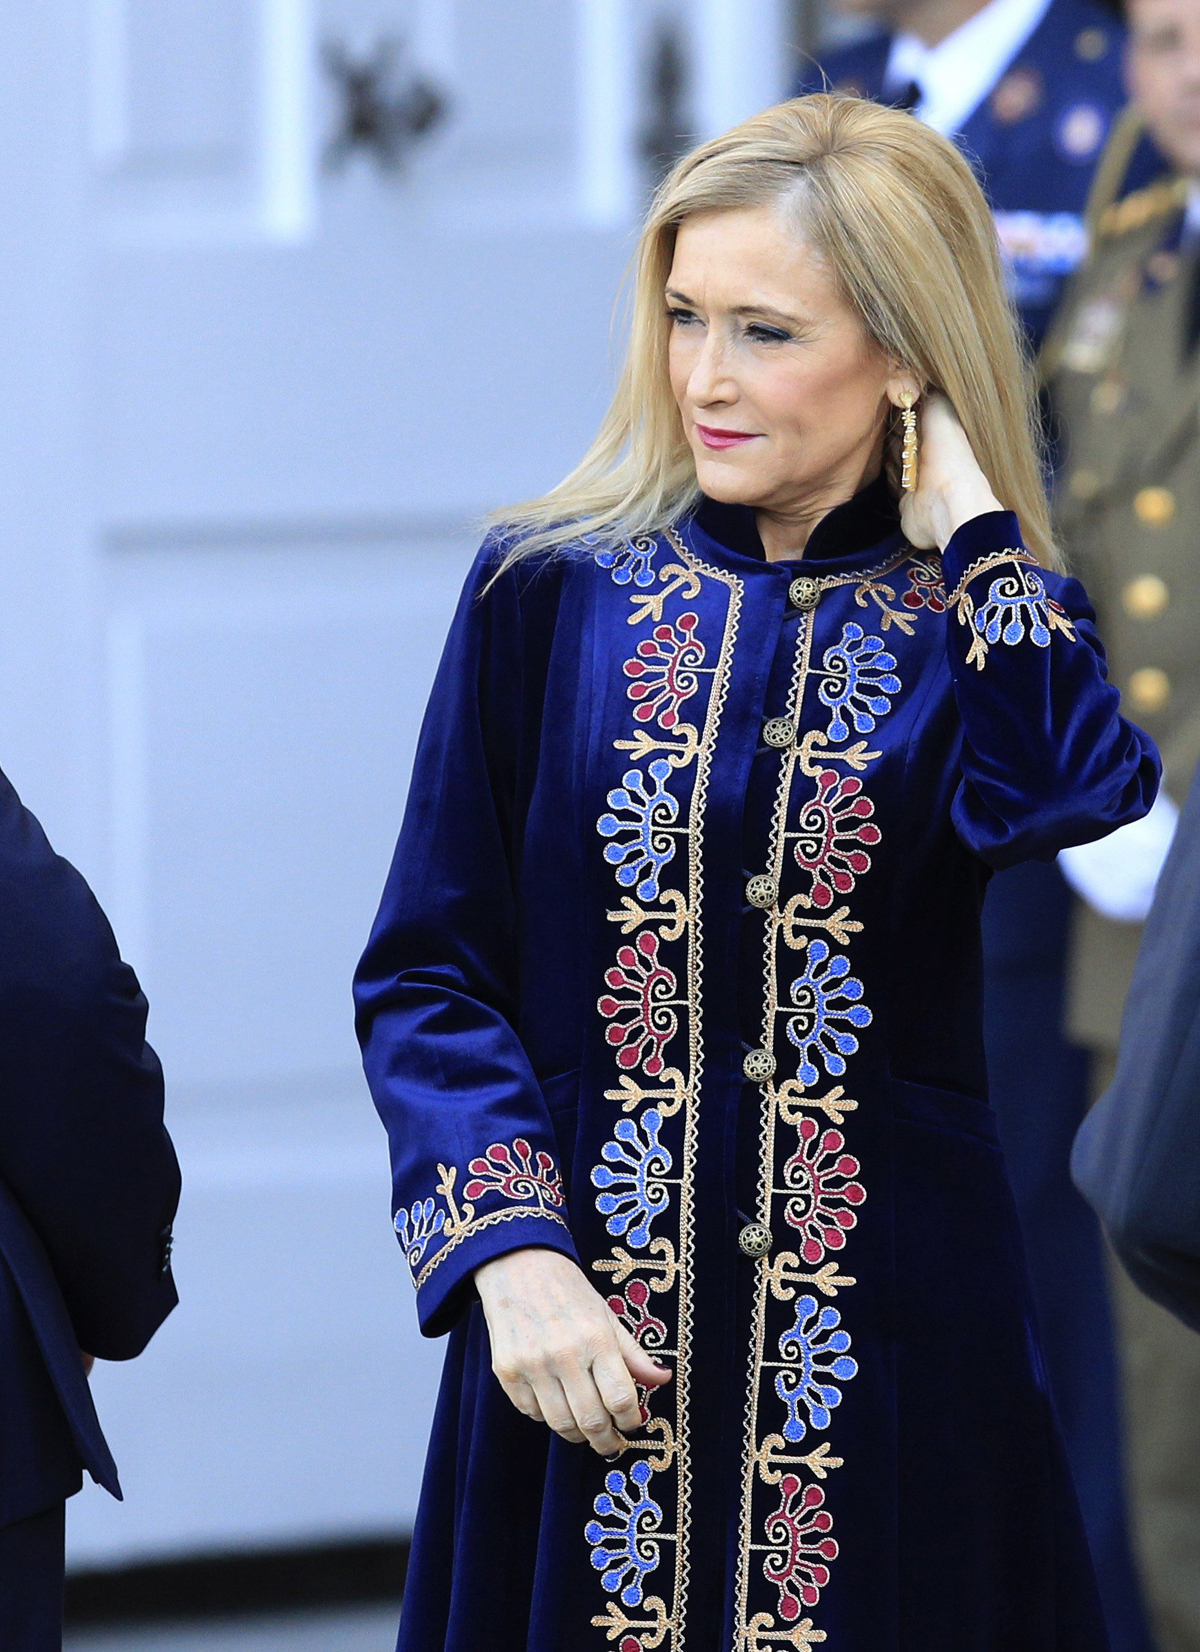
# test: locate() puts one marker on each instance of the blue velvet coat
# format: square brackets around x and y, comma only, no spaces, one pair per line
[677,972]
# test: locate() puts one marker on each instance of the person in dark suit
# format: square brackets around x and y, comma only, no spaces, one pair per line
[1137,1154]
[88,1190]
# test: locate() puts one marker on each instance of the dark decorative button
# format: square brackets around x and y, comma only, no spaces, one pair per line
[755,1239]
[759,1066]
[804,593]
[762,890]
[780,732]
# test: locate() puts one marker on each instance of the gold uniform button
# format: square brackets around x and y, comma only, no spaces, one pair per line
[1091,45]
[1084,484]
[780,732]
[759,1066]
[1145,597]
[804,593]
[1154,506]
[1149,688]
[755,1239]
[1108,396]
[762,890]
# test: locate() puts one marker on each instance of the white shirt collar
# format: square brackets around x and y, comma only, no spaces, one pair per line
[957,74]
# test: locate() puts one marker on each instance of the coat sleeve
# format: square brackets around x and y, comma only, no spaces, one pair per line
[474,1165]
[83,1148]
[1047,759]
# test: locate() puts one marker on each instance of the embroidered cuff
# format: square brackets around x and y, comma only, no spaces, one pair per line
[508,1190]
[991,535]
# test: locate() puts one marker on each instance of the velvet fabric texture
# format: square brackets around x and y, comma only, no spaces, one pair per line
[679,959]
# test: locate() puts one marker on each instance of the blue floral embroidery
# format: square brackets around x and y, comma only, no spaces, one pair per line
[642,846]
[1014,601]
[819,1349]
[823,997]
[630,561]
[640,1195]
[627,1551]
[861,674]
[416,1227]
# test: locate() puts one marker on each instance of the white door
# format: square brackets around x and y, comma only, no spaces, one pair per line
[254,400]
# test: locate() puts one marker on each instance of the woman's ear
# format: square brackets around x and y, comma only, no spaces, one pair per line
[904,388]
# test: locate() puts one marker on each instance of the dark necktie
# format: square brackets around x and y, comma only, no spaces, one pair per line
[904,97]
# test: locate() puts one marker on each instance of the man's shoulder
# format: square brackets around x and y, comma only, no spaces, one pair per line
[1140,216]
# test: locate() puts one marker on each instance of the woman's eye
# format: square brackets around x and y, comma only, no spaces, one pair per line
[766,335]
[681,318]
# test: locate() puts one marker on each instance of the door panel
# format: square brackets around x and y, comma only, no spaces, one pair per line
[300,384]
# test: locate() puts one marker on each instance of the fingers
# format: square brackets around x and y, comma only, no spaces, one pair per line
[617,1390]
[593,1419]
[642,1367]
[558,1411]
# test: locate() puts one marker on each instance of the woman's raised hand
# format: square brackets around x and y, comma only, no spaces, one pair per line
[951,488]
[559,1352]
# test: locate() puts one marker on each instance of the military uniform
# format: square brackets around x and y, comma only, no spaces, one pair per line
[1124,374]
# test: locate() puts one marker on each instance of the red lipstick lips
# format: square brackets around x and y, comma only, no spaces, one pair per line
[712,437]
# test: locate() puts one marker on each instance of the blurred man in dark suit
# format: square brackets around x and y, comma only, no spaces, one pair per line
[88,1190]
[1137,1155]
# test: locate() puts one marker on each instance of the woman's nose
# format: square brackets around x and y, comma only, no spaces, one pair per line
[710,381]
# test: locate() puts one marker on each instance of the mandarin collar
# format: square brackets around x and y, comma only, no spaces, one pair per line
[845,533]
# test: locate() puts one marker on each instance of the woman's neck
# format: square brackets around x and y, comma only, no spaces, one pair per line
[786,530]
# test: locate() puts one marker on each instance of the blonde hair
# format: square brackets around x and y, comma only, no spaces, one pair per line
[897,213]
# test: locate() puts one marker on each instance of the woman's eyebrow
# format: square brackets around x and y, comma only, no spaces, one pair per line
[768,310]
[674,296]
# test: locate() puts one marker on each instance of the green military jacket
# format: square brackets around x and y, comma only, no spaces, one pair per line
[1127,395]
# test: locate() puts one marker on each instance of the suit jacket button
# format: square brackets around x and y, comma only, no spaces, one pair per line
[780,732]
[755,1239]
[1149,688]
[1145,597]
[759,1066]
[1154,506]
[804,593]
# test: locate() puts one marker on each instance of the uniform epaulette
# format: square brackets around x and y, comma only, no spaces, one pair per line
[1142,207]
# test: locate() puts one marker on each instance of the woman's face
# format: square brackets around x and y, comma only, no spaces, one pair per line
[782,393]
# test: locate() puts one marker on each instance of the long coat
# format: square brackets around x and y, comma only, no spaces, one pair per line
[677,972]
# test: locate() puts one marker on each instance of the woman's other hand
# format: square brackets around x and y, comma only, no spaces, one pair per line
[951,488]
[560,1353]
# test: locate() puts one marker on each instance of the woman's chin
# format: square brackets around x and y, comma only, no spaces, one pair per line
[728,483]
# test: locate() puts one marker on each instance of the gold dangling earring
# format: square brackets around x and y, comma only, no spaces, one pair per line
[908,456]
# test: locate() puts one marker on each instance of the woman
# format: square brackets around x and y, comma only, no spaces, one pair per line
[672,1006]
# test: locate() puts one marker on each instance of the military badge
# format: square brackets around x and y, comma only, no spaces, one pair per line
[1016,96]
[1081,131]
[1094,335]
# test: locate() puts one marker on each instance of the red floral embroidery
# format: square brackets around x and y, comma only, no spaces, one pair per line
[634,1310]
[832,828]
[514,1173]
[801,1525]
[664,671]
[642,1019]
[823,1205]
[925,588]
